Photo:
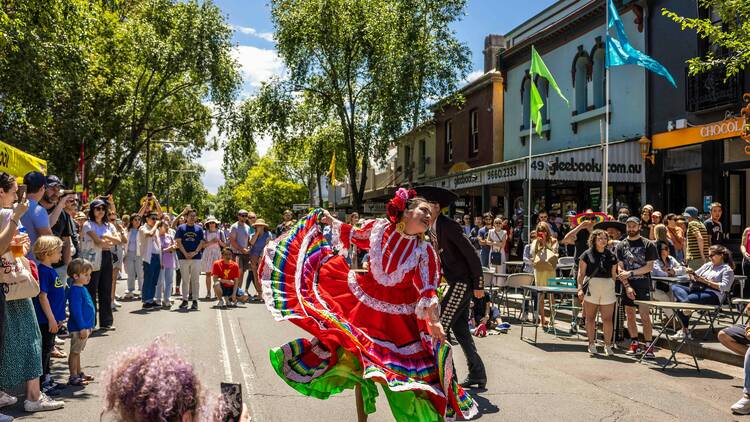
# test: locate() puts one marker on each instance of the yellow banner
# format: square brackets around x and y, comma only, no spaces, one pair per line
[17,163]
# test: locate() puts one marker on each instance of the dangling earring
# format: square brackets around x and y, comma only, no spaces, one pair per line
[400,227]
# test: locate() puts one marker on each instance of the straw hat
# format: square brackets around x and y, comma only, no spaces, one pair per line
[260,222]
[81,216]
[211,219]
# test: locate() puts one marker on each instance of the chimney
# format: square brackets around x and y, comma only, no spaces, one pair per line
[493,44]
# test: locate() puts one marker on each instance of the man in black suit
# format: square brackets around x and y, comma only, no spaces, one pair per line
[463,270]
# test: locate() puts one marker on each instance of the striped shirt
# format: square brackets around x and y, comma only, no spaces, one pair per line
[694,228]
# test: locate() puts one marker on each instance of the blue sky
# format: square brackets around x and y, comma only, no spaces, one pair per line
[255,50]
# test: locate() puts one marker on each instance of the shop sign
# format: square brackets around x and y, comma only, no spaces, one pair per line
[729,128]
[505,173]
[625,164]
[467,180]
[374,208]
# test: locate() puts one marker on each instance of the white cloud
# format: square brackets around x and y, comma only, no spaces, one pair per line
[473,75]
[268,36]
[257,64]
[211,161]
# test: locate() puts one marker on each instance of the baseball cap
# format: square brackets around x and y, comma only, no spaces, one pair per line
[54,181]
[34,180]
[242,212]
[635,220]
[691,212]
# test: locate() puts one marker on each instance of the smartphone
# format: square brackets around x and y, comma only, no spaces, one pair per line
[232,394]
[21,193]
[67,192]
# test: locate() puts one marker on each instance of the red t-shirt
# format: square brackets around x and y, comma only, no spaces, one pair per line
[226,271]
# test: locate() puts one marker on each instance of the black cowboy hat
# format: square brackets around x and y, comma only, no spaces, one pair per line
[604,225]
[444,197]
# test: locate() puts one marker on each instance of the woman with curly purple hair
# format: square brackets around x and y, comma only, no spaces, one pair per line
[156,383]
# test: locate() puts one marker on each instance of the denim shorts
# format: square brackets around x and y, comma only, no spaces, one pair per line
[737,333]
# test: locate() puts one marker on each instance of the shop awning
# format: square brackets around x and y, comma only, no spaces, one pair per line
[17,163]
[582,164]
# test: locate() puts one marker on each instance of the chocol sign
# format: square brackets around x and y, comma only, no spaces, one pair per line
[729,128]
[725,128]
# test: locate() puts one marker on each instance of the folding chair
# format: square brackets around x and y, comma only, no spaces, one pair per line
[515,282]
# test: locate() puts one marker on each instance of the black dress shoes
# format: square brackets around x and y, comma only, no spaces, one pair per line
[471,382]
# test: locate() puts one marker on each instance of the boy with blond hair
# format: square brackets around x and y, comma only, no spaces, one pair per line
[49,304]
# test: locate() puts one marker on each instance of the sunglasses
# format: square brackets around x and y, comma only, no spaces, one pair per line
[99,209]
[243,215]
[252,217]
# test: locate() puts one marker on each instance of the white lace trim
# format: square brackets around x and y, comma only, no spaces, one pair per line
[378,305]
[423,304]
[376,257]
[319,350]
[336,238]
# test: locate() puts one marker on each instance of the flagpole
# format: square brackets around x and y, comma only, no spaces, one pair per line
[605,158]
[528,164]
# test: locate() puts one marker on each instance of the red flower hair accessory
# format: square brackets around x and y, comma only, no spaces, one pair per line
[397,204]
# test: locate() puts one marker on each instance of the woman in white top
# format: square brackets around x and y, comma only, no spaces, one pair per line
[99,237]
[212,252]
[133,262]
[497,237]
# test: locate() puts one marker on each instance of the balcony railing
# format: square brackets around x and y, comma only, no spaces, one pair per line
[707,91]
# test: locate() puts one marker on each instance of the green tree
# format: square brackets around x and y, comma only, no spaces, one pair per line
[372,65]
[115,76]
[731,36]
[268,190]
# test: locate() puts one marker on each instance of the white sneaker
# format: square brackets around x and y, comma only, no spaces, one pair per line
[592,349]
[42,405]
[7,400]
[221,303]
[116,304]
[742,406]
[679,336]
[128,295]
[608,351]
[59,341]
[5,418]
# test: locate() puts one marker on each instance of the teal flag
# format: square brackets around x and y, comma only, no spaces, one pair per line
[620,52]
[536,103]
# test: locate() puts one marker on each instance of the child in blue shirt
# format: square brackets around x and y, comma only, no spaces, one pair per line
[50,303]
[82,318]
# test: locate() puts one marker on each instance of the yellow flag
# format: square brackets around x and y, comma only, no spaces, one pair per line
[332,170]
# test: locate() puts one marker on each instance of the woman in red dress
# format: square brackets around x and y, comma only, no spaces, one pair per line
[379,326]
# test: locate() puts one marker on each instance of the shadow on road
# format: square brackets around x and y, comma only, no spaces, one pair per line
[485,406]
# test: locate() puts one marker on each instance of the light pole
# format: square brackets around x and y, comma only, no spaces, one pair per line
[169,184]
[148,156]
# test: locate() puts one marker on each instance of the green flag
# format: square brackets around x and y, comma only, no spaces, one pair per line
[536,103]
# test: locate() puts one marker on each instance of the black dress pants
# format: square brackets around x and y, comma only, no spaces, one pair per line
[455,316]
[100,289]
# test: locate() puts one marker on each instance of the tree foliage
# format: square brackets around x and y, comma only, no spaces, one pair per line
[371,65]
[731,36]
[268,190]
[115,76]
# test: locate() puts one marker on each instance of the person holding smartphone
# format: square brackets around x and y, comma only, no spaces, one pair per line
[709,284]
[544,255]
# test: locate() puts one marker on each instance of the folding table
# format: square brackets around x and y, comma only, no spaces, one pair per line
[540,290]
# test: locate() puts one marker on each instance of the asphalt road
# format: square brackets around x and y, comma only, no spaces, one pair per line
[554,380]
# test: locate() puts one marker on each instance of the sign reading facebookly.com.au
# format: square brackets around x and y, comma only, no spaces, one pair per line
[625,165]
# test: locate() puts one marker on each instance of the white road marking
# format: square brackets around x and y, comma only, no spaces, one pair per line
[248,372]
[224,348]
